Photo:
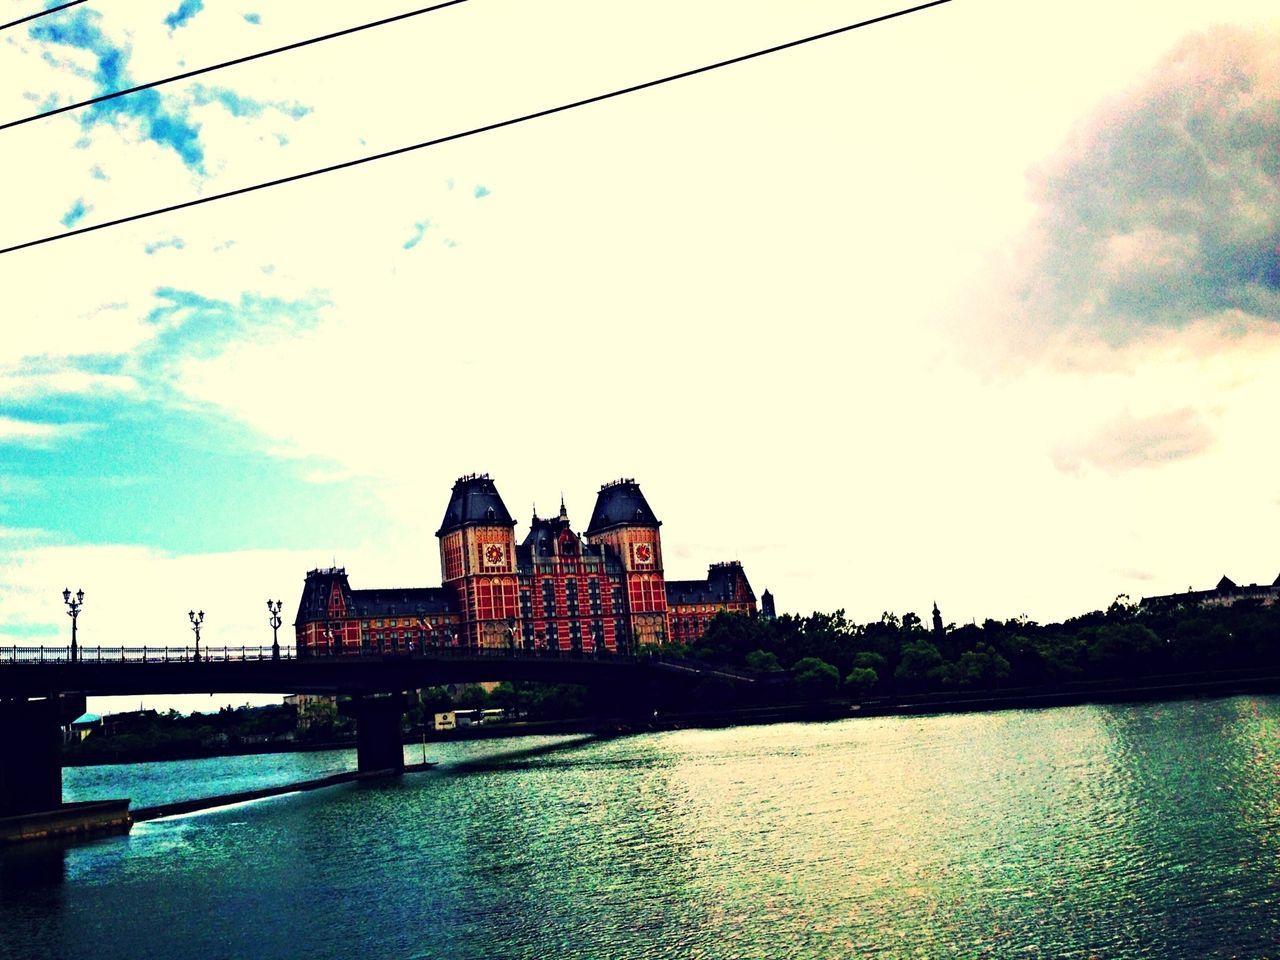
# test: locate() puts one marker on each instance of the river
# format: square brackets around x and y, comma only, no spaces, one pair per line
[1130,831]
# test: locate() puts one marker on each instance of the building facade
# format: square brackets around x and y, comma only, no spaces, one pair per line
[599,590]
[1226,593]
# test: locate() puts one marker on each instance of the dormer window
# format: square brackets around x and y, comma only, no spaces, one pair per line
[489,514]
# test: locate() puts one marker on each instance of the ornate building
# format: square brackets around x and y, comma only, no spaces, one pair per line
[602,589]
[1226,593]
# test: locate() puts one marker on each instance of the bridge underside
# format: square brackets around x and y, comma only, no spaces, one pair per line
[33,705]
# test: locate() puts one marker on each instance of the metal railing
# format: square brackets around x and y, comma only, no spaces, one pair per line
[146,654]
[229,654]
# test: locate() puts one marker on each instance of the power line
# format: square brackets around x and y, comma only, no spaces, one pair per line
[474,130]
[37,16]
[227,63]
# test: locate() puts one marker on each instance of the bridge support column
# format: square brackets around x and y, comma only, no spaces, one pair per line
[378,736]
[30,755]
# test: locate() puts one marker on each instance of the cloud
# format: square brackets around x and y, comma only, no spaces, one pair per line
[1164,208]
[1130,443]
[34,433]
[182,16]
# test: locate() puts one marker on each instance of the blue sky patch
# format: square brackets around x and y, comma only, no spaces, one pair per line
[481,191]
[239,106]
[419,231]
[176,243]
[169,128]
[182,16]
[253,18]
[75,214]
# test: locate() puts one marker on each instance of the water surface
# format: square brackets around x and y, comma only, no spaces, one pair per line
[1107,831]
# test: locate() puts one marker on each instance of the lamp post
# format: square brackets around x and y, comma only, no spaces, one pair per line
[275,622]
[73,611]
[196,620]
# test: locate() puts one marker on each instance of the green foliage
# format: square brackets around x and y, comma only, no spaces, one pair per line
[919,660]
[1123,642]
[815,679]
[860,682]
[763,661]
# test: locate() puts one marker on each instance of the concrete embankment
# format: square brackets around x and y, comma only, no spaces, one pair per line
[206,803]
[84,819]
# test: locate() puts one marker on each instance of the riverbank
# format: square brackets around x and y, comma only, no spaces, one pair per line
[1176,687]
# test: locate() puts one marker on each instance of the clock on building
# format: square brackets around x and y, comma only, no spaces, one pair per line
[494,554]
[643,553]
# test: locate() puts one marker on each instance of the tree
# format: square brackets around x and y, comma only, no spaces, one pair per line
[815,678]
[920,658]
[860,682]
[981,666]
[763,661]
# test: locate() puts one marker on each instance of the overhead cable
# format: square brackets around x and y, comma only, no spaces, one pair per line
[472,131]
[226,63]
[37,16]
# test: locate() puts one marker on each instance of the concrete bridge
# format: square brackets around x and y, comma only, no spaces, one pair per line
[42,688]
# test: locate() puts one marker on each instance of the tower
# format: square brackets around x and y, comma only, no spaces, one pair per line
[478,561]
[767,611]
[624,525]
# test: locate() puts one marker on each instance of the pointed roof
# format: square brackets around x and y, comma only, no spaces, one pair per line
[475,499]
[726,583]
[621,504]
[318,589]
[1226,583]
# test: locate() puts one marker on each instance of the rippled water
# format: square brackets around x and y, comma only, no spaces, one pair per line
[1109,831]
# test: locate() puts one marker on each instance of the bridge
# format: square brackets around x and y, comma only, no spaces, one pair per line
[42,688]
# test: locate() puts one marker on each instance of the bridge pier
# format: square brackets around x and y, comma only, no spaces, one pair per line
[378,736]
[31,752]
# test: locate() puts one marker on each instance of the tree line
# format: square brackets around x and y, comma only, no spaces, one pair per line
[829,655]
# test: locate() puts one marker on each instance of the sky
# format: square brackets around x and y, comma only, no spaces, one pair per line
[978,306]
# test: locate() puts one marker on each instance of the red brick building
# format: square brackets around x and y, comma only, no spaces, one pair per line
[602,589]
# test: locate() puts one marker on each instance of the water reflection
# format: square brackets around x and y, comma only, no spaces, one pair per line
[1145,831]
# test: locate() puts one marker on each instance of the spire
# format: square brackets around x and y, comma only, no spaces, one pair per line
[937,619]
[564,514]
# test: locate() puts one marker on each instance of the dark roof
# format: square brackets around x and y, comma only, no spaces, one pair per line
[314,604]
[1226,583]
[404,601]
[474,499]
[725,583]
[621,504]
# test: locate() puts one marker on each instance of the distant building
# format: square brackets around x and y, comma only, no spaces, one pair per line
[767,610]
[599,590]
[311,708]
[1224,594]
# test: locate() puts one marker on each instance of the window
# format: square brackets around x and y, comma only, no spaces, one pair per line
[571,596]
[548,599]
[593,596]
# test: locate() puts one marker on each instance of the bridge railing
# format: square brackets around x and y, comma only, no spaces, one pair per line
[146,654]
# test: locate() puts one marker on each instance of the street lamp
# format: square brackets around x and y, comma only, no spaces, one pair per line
[275,622]
[196,620]
[73,612]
